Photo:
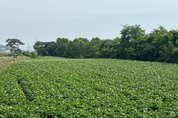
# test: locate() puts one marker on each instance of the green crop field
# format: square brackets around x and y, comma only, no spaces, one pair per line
[52,87]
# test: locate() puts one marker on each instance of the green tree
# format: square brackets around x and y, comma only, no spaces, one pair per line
[148,52]
[62,47]
[33,55]
[14,44]
[160,30]
[95,45]
[52,46]
[174,33]
[159,45]
[86,50]
[115,47]
[41,48]
[78,47]
[175,55]
[128,34]
[95,41]
[95,52]
[106,52]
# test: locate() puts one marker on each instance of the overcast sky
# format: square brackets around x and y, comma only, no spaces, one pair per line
[46,20]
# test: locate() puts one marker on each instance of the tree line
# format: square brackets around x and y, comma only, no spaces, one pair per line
[159,45]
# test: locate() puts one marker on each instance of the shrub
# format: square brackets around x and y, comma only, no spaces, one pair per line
[33,55]
[30,54]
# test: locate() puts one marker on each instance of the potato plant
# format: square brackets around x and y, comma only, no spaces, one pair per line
[59,87]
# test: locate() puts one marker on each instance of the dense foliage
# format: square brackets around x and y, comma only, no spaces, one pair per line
[59,87]
[30,54]
[159,45]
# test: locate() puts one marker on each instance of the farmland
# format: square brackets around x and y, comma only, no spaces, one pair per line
[59,87]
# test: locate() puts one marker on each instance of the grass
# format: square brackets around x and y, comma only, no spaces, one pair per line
[4,61]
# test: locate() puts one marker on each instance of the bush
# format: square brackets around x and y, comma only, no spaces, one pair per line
[26,54]
[32,54]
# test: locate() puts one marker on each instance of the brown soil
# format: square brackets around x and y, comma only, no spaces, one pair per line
[21,90]
[10,62]
[23,93]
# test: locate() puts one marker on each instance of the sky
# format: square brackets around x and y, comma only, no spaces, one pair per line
[46,20]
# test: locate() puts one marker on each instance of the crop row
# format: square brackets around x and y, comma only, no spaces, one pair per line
[89,88]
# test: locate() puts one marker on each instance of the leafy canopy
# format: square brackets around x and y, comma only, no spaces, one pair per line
[14,44]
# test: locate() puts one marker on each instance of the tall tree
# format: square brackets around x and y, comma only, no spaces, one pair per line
[95,44]
[41,48]
[78,47]
[62,47]
[115,46]
[14,44]
[128,34]
[175,37]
